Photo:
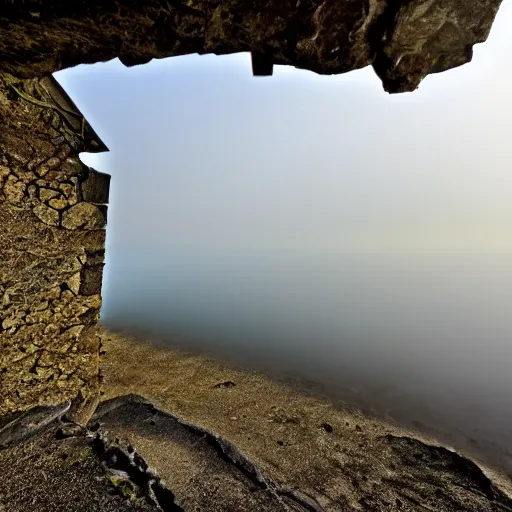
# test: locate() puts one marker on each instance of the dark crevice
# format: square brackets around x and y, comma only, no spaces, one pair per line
[436,456]
[226,384]
[304,501]
[229,454]
[148,484]
[33,368]
[378,36]
[164,497]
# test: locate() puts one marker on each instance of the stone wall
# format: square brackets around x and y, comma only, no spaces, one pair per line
[52,238]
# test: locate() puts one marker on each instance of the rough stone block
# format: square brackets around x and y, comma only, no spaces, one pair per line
[91,278]
[95,189]
[47,215]
[85,216]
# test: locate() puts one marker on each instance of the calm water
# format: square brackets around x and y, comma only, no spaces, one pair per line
[423,340]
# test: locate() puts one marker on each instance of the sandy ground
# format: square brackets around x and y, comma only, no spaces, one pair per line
[178,432]
[340,458]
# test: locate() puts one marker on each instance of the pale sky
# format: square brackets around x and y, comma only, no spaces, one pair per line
[203,153]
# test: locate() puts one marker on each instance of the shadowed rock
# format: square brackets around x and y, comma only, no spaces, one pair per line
[30,423]
[134,455]
[206,471]
[404,40]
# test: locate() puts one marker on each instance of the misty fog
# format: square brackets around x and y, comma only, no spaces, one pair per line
[317,228]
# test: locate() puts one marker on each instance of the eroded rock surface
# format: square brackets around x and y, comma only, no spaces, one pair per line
[48,473]
[207,472]
[134,456]
[404,39]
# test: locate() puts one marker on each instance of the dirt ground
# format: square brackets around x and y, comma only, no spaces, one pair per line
[338,458]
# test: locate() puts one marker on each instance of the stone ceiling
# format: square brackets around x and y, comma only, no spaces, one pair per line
[404,40]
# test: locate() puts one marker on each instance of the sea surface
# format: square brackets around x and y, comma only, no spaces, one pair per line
[423,340]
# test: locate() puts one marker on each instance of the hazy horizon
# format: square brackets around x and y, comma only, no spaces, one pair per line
[316,224]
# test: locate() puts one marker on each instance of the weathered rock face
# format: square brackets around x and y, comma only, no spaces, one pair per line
[51,245]
[403,39]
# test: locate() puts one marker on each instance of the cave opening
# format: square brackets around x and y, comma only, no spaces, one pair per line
[253,226]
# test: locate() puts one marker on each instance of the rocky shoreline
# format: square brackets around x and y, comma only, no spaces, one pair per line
[204,436]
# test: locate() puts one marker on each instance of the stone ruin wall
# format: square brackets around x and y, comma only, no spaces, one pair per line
[52,245]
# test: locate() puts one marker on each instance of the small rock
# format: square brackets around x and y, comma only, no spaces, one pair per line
[51,330]
[47,215]
[41,306]
[327,427]
[6,300]
[53,162]
[57,141]
[26,176]
[4,171]
[14,190]
[53,293]
[70,431]
[11,321]
[226,384]
[32,191]
[42,170]
[83,215]
[54,176]
[59,203]
[74,283]
[55,121]
[52,132]
[64,151]
[45,194]
[70,193]
[73,333]
[71,166]
[66,296]
[34,163]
